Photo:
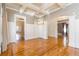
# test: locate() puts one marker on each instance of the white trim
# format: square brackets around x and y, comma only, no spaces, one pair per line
[12,9]
[1,27]
[24,17]
[19,11]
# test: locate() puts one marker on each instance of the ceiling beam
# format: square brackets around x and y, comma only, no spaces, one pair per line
[37,9]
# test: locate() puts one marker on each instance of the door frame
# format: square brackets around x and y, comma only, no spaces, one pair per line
[65,39]
[24,17]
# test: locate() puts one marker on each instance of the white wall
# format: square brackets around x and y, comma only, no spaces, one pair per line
[32,30]
[36,31]
[77,33]
[43,31]
[52,26]
[72,31]
[12,31]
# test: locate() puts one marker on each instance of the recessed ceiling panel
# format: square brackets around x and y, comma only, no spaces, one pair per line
[14,5]
[38,9]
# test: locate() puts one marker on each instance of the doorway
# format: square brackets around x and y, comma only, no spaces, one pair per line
[20,29]
[20,24]
[63,31]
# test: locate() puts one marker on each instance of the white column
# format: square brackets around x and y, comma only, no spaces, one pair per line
[0,26]
[4,28]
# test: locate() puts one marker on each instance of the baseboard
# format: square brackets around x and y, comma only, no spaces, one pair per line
[36,38]
[56,36]
[52,37]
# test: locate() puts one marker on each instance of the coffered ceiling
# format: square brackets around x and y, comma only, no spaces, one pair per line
[37,9]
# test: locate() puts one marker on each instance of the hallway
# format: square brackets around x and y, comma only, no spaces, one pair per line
[39,47]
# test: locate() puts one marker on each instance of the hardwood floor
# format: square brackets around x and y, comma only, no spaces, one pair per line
[40,47]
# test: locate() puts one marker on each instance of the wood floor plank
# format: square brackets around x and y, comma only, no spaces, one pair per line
[40,47]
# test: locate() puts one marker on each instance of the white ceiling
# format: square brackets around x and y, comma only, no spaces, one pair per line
[37,9]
